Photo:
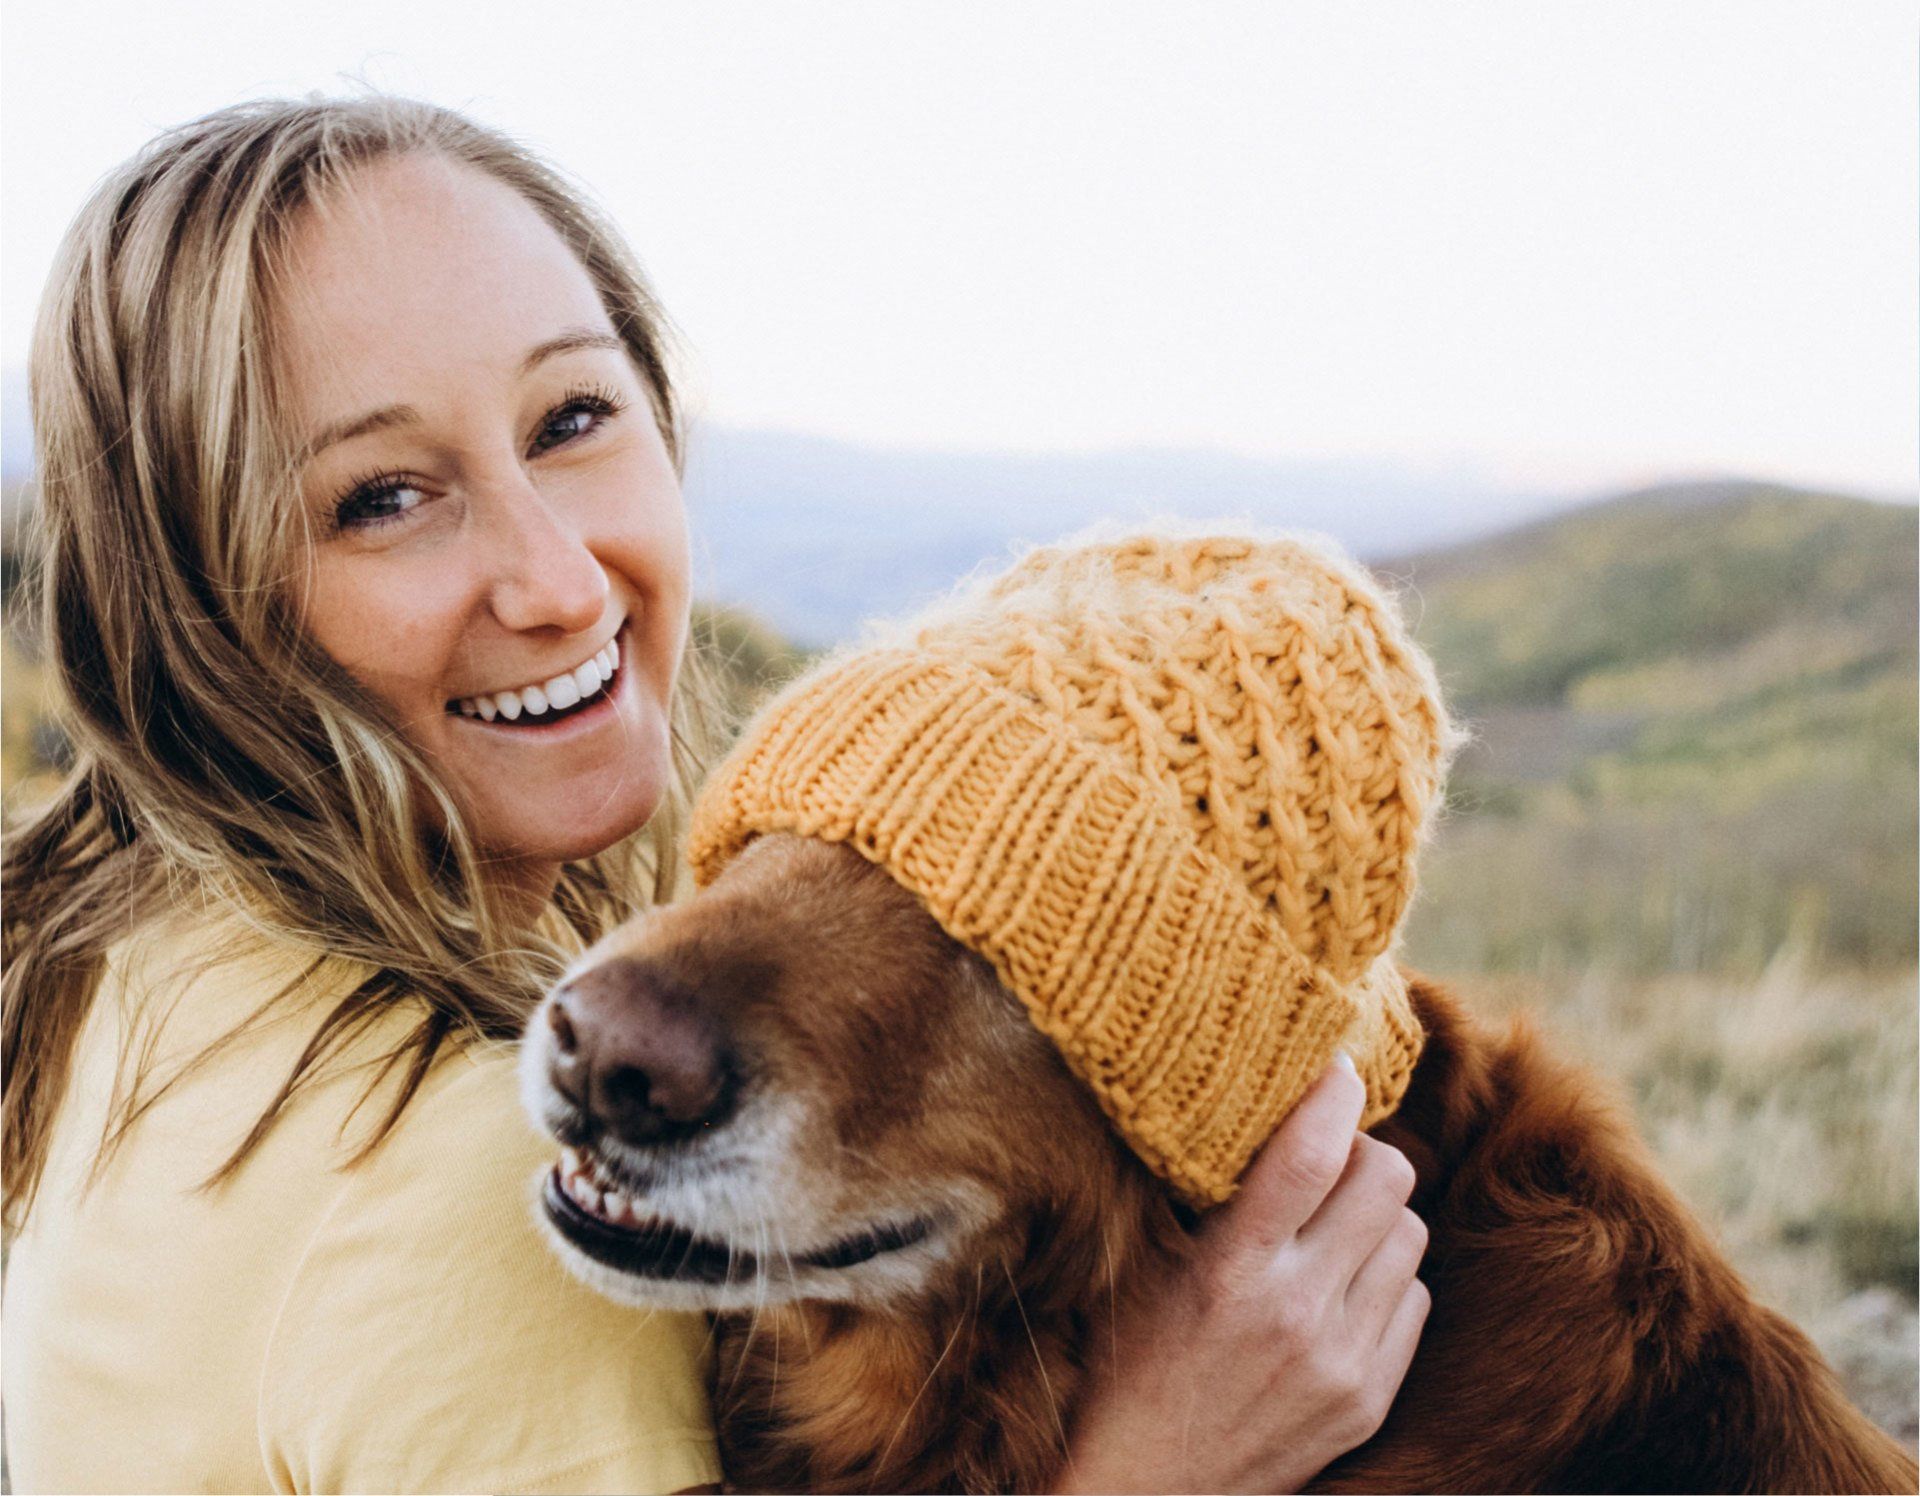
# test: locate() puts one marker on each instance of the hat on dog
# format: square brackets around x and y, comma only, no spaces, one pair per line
[1171,787]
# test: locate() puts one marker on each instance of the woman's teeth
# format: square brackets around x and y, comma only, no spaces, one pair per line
[555,695]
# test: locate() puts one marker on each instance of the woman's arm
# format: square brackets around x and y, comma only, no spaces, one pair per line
[1283,1343]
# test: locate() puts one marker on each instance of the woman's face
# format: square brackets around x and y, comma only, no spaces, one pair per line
[496,519]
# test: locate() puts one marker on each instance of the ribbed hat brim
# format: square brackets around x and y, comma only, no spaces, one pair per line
[1170,990]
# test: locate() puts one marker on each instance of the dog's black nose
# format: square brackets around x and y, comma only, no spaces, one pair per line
[637,1056]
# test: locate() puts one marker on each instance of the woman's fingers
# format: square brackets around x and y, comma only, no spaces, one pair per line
[1293,1174]
[1401,1338]
[1250,1369]
[1380,1286]
[1355,1218]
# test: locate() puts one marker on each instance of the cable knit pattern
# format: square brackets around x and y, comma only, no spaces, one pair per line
[1171,788]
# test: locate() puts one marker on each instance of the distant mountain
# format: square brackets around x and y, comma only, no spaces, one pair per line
[1695,714]
[16,428]
[814,535]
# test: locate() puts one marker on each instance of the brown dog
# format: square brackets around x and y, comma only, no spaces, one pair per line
[796,1101]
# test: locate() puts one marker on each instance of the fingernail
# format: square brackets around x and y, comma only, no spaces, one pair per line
[1345,1062]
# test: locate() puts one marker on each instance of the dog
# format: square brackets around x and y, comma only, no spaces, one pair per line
[794,1101]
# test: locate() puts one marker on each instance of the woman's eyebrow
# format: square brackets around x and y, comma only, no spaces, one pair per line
[566,342]
[573,339]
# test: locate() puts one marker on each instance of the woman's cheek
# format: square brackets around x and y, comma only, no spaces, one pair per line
[396,628]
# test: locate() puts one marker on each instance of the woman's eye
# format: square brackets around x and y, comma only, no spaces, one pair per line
[376,502]
[578,417]
[384,498]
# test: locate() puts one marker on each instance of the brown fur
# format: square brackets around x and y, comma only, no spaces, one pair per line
[1585,1333]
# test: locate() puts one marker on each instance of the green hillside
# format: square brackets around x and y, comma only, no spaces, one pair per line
[1695,714]
[746,660]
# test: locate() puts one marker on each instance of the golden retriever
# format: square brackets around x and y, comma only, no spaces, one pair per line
[796,1102]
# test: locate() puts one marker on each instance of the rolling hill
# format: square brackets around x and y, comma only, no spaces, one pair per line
[1695,713]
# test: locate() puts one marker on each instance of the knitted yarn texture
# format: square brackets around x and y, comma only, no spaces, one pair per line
[1171,788]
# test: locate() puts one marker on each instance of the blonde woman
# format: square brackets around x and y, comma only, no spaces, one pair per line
[366,588]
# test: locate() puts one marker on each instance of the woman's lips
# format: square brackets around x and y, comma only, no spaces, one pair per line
[537,699]
[557,722]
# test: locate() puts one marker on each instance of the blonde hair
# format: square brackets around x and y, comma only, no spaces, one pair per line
[216,745]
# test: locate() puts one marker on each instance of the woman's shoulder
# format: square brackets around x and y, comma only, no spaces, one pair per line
[397,1320]
[239,967]
[231,1003]
[217,985]
[200,970]
[430,1338]
[427,1338]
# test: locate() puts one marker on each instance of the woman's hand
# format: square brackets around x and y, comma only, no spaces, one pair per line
[1281,1345]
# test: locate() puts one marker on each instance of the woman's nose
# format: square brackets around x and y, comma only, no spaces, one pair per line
[544,571]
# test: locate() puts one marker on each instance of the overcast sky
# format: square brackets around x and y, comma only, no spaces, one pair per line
[1569,244]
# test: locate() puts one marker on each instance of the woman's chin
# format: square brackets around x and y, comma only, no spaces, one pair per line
[569,837]
[571,822]
[573,804]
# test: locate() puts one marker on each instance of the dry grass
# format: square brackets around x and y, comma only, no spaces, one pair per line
[1784,1109]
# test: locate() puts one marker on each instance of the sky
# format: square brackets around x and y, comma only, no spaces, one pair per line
[1565,246]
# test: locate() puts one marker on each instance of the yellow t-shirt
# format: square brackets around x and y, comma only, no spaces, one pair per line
[395,1326]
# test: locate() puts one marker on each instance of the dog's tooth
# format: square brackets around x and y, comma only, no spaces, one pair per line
[534,700]
[488,711]
[587,678]
[508,703]
[570,1162]
[605,659]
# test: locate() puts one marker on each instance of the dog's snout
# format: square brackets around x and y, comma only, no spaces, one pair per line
[564,1038]
[638,1056]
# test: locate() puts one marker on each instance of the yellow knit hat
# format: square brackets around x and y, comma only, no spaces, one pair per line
[1170,787]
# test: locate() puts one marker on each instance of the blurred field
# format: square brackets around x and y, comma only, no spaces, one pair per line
[1783,1109]
[1694,714]
[1686,836]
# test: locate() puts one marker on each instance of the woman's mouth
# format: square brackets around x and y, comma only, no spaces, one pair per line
[559,698]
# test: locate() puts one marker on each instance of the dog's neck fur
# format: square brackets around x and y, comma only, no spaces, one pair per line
[967,1388]
[1663,1373]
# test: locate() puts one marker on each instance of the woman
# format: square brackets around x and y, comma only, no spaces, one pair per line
[358,461]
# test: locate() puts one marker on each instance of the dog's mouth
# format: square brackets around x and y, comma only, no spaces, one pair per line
[607,1226]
